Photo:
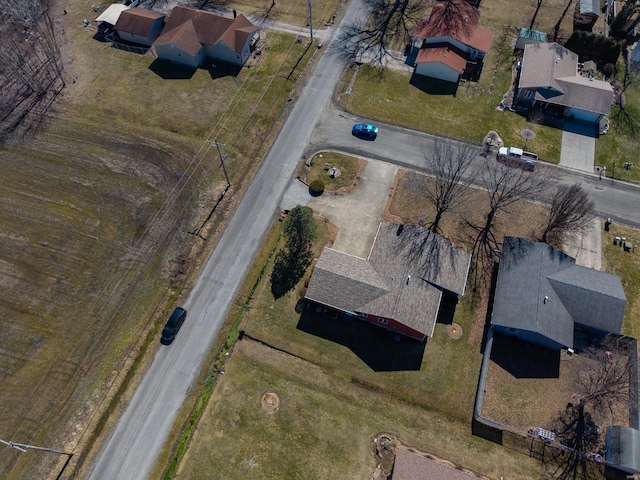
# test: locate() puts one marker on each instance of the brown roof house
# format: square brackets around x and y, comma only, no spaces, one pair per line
[399,286]
[549,77]
[449,43]
[412,466]
[190,36]
[139,25]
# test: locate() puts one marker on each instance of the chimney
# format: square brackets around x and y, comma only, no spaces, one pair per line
[235,14]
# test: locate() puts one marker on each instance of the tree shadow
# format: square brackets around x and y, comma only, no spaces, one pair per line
[523,359]
[171,71]
[433,86]
[381,350]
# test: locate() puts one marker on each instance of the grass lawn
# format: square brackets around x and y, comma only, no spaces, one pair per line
[324,427]
[620,144]
[348,168]
[627,266]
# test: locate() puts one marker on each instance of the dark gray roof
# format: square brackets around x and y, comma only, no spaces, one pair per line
[541,289]
[552,71]
[592,298]
[523,285]
[402,279]
[623,447]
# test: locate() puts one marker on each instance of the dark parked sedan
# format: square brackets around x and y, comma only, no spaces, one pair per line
[365,130]
[173,325]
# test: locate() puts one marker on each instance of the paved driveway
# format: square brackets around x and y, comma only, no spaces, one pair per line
[578,151]
[586,248]
[358,213]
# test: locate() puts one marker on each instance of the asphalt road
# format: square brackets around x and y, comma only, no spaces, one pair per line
[134,445]
[403,147]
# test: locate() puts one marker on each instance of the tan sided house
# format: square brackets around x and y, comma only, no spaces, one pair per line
[192,36]
[400,286]
[139,25]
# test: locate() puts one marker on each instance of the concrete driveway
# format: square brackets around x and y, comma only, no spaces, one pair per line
[358,213]
[587,248]
[578,151]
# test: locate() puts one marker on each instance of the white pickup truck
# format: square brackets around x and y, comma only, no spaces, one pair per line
[516,157]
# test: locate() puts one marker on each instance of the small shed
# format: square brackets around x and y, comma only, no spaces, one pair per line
[623,448]
[527,36]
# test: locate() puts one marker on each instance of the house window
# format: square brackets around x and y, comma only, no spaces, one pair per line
[383,321]
[362,314]
[529,94]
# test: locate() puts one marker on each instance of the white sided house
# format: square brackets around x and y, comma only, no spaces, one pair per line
[191,36]
[139,25]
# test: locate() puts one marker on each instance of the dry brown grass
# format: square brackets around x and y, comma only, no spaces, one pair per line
[522,219]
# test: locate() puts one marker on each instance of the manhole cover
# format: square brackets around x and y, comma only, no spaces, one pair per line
[454,331]
[270,402]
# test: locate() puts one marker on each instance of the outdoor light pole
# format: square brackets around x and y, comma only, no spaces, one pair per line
[310,21]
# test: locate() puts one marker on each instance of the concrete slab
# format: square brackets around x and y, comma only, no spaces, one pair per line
[587,248]
[297,193]
[359,212]
[578,151]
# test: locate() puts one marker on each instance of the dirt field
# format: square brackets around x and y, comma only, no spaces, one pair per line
[96,210]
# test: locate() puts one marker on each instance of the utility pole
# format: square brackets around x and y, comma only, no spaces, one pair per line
[310,21]
[23,447]
[224,169]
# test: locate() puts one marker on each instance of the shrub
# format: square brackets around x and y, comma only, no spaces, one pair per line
[317,187]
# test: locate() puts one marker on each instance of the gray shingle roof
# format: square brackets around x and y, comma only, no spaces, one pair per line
[552,71]
[411,466]
[623,447]
[590,6]
[592,298]
[530,271]
[381,285]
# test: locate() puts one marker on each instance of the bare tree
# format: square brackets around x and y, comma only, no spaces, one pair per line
[449,163]
[30,61]
[571,212]
[556,28]
[390,22]
[603,384]
[537,4]
[505,186]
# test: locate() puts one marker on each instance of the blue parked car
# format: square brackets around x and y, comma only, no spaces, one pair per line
[365,130]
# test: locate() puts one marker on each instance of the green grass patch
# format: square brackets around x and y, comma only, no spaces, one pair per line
[627,266]
[468,116]
[322,165]
[324,427]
